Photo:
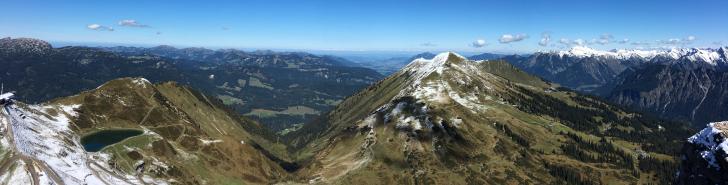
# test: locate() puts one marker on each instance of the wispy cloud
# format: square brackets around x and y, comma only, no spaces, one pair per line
[677,41]
[508,38]
[428,44]
[672,41]
[579,42]
[565,41]
[623,41]
[99,27]
[478,43]
[604,39]
[640,43]
[690,38]
[545,39]
[132,23]
[225,28]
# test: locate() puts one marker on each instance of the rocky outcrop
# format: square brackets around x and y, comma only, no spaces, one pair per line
[24,46]
[705,156]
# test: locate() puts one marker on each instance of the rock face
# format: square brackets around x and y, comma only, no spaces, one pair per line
[581,73]
[694,94]
[705,156]
[671,83]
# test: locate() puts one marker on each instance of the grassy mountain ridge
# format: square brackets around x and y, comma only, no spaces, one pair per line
[461,124]
[188,138]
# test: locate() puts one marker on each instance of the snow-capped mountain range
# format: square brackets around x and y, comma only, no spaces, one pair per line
[709,55]
[673,83]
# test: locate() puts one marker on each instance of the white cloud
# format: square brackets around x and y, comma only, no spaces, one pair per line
[98,27]
[606,36]
[672,41]
[93,26]
[603,39]
[428,44]
[677,41]
[132,23]
[638,43]
[545,39]
[479,43]
[508,38]
[565,41]
[579,42]
[593,41]
[690,38]
[623,41]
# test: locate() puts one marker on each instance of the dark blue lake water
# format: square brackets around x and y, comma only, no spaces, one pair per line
[98,140]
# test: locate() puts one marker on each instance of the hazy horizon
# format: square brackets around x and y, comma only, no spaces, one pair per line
[406,26]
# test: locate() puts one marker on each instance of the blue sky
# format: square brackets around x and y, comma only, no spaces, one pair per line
[373,25]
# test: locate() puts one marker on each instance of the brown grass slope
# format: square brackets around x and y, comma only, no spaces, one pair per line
[189,138]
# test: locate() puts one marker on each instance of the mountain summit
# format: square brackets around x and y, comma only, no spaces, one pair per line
[24,46]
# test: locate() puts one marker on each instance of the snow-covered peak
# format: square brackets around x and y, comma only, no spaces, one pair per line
[141,82]
[434,64]
[710,56]
[712,139]
[421,67]
[452,70]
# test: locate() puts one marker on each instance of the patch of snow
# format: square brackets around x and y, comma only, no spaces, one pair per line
[6,96]
[371,119]
[398,109]
[712,139]
[433,92]
[409,122]
[208,142]
[19,175]
[422,68]
[48,139]
[156,162]
[456,122]
[141,82]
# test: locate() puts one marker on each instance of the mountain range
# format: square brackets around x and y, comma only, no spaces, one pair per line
[450,120]
[446,120]
[669,83]
[163,115]
[282,90]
